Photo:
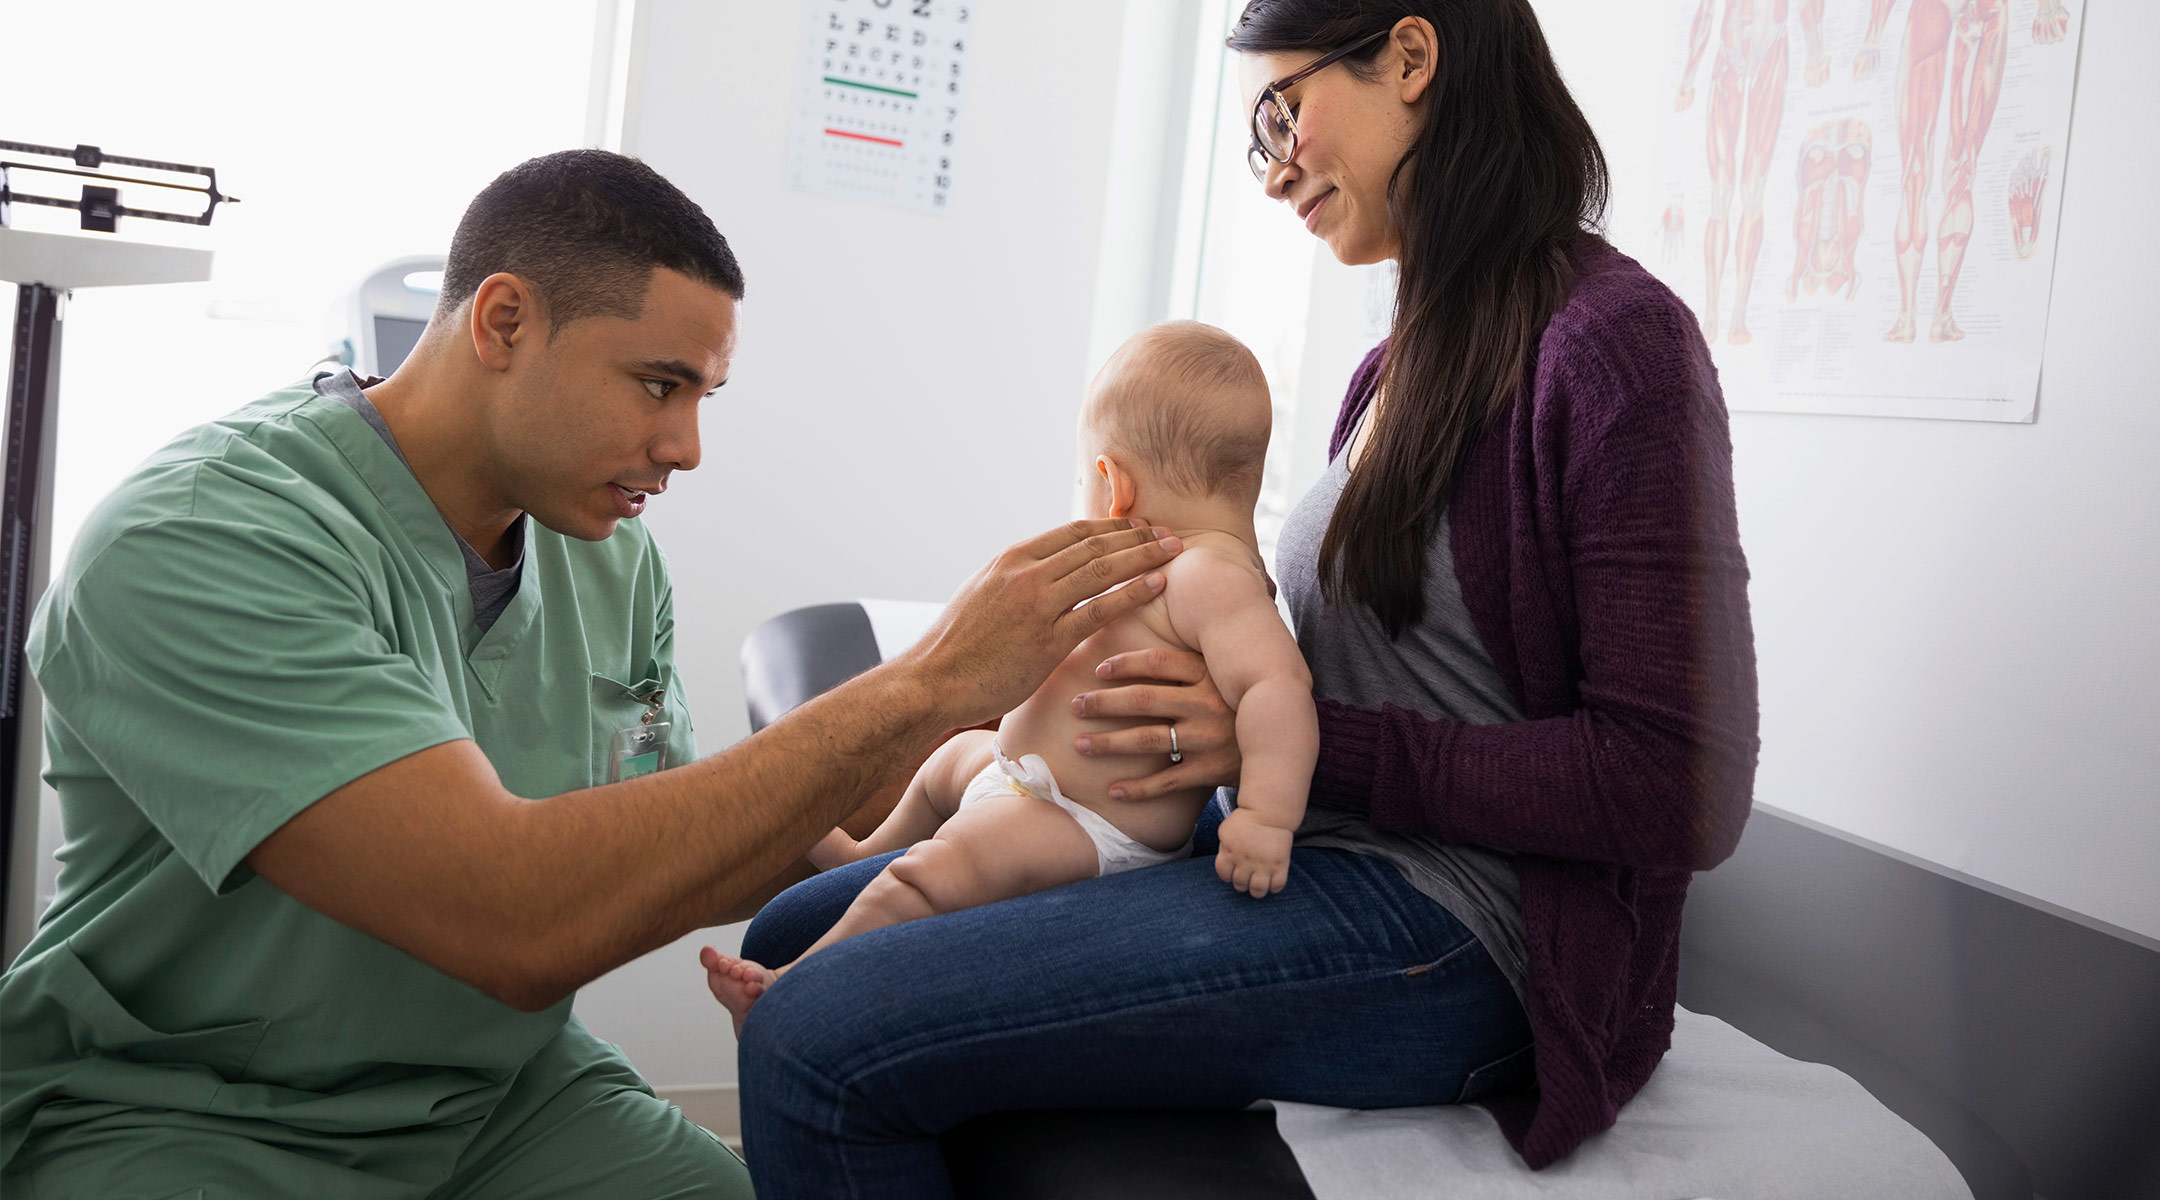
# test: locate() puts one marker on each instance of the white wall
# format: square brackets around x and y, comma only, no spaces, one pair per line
[903,401]
[1956,622]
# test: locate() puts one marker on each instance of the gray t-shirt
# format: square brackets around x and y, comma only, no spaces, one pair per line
[1437,668]
[492,590]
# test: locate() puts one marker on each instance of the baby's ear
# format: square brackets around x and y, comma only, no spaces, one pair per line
[1122,485]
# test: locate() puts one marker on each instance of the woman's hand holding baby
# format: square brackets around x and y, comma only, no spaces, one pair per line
[1174,687]
[1242,707]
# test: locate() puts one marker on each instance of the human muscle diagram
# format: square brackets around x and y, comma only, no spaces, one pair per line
[1835,157]
[1970,43]
[1805,118]
[2027,185]
[1817,72]
[1747,100]
[2052,23]
[1869,55]
[1672,227]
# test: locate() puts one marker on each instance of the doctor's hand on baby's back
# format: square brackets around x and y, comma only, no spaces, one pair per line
[1017,617]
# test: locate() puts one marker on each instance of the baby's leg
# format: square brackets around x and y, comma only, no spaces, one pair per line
[1002,846]
[931,798]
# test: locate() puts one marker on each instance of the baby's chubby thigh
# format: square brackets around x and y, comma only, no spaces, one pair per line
[995,848]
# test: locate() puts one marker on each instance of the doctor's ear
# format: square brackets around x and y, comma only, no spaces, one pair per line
[503,312]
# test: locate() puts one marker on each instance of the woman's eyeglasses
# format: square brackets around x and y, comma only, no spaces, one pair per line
[1274,127]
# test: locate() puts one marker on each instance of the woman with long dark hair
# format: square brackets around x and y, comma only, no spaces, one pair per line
[1521,593]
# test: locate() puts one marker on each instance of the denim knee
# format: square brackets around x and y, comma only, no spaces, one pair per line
[765,933]
[796,1049]
[796,918]
[820,1116]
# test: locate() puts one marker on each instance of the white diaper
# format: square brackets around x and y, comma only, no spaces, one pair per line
[1115,850]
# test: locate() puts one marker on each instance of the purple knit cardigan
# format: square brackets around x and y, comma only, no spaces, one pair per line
[1599,555]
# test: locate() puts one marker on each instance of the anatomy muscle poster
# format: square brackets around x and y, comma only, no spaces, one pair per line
[1860,198]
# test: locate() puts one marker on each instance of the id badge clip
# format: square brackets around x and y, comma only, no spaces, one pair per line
[642,748]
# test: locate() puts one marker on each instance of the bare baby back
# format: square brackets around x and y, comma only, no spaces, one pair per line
[1044,724]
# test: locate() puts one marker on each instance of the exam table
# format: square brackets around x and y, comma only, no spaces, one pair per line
[1852,1024]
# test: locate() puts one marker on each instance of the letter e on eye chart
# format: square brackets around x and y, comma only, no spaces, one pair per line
[877,108]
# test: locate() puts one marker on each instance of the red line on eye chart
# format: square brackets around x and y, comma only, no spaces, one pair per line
[862,137]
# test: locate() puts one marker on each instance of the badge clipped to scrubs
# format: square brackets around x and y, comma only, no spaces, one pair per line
[642,748]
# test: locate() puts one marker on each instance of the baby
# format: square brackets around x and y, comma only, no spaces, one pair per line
[1174,428]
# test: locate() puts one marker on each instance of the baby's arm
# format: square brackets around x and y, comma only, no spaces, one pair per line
[1225,612]
[932,796]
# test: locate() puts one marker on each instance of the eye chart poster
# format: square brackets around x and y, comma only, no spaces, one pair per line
[1860,198]
[877,108]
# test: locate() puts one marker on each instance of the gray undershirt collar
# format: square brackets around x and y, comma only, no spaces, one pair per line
[492,590]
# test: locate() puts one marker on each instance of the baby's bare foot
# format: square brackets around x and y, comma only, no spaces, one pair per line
[735,982]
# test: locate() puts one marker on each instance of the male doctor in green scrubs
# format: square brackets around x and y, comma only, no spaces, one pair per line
[336,688]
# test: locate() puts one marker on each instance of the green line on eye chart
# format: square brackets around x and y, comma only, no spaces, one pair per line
[870,87]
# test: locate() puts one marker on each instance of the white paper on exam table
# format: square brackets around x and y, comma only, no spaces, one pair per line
[1724,1116]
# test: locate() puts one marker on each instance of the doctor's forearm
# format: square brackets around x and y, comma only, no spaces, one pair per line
[529,899]
[638,864]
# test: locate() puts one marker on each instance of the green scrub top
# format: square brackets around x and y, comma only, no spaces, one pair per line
[269,608]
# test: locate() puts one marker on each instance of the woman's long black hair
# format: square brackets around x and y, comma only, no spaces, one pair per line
[1503,178]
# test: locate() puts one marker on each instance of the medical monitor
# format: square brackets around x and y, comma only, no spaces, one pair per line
[394,339]
[380,321]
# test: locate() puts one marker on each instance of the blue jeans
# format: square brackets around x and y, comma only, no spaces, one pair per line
[1159,988]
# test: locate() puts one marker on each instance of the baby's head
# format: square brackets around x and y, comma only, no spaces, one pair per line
[1179,413]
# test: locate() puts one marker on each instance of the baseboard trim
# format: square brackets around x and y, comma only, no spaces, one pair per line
[715,1106]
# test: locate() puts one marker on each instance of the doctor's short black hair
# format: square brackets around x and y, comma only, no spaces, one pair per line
[585,228]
